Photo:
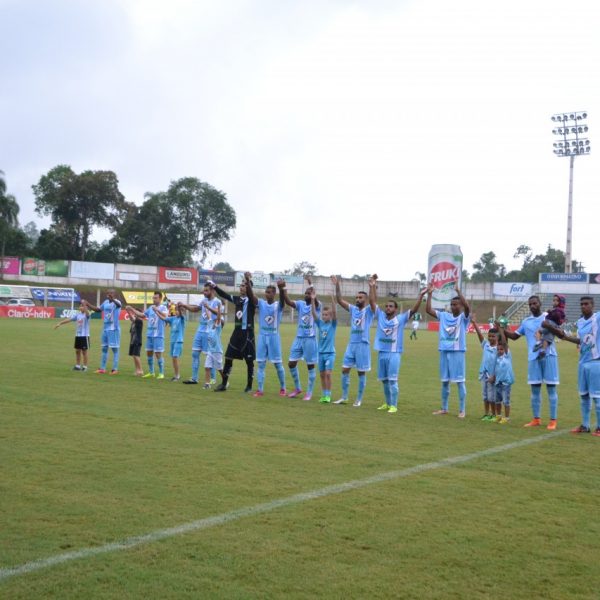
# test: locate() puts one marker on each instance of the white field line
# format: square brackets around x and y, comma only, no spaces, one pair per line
[234,515]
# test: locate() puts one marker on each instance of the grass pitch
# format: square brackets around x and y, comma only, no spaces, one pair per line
[89,459]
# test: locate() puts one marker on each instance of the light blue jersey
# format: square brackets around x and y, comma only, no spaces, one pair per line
[214,340]
[177,324]
[453,331]
[588,331]
[488,360]
[206,316]
[269,316]
[504,369]
[306,321]
[529,327]
[326,335]
[389,335]
[111,310]
[360,321]
[83,324]
[156,326]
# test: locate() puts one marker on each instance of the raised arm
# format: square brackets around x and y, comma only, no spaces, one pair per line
[428,308]
[552,328]
[477,330]
[221,293]
[333,309]
[463,300]
[92,307]
[313,304]
[502,336]
[338,293]
[415,308]
[373,292]
[249,289]
[283,295]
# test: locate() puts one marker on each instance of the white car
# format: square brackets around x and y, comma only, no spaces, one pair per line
[20,302]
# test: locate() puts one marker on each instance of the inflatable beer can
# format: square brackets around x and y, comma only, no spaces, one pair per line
[444,271]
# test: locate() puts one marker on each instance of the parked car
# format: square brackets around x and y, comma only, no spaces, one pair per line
[20,302]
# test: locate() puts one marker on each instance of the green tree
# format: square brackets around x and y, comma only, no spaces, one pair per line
[223,266]
[32,232]
[9,217]
[191,218]
[551,261]
[487,269]
[302,269]
[77,204]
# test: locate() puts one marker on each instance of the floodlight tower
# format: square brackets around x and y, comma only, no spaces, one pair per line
[571,129]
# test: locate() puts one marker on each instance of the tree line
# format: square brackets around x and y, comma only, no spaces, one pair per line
[179,226]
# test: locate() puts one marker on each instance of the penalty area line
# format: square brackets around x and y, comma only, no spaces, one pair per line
[249,511]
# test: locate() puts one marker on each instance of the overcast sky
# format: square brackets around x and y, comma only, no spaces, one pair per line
[351,134]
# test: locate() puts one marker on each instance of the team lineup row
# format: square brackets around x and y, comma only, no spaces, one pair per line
[315,345]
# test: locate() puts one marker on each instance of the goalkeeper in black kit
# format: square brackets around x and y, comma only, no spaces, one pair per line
[241,344]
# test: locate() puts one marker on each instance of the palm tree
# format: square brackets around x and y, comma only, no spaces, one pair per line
[9,213]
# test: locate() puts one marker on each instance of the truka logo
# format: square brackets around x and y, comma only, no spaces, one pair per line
[444,274]
[306,319]
[388,331]
[269,319]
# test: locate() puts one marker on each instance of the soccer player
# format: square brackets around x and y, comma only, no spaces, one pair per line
[155,334]
[177,323]
[389,341]
[452,347]
[200,344]
[135,340]
[486,370]
[268,346]
[82,335]
[539,370]
[111,331]
[326,327]
[358,351]
[304,347]
[241,344]
[214,357]
[588,340]
[416,321]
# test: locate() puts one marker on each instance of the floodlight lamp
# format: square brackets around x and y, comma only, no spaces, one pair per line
[584,115]
[571,116]
[587,142]
[585,128]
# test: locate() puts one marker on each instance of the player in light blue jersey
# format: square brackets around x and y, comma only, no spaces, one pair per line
[358,351]
[214,357]
[486,370]
[111,330]
[155,334]
[176,321]
[206,308]
[452,347]
[268,345]
[588,379]
[539,370]
[304,346]
[326,327]
[389,342]
[82,335]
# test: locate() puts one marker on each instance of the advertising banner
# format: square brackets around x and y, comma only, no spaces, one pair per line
[55,294]
[260,280]
[187,298]
[10,265]
[564,277]
[514,290]
[51,268]
[219,277]
[178,275]
[594,278]
[65,313]
[137,297]
[15,291]
[92,270]
[287,278]
[27,312]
